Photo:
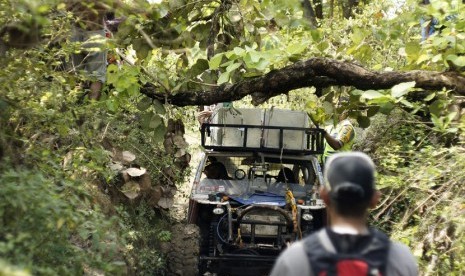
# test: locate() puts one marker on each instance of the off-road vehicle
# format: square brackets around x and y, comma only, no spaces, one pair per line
[254,193]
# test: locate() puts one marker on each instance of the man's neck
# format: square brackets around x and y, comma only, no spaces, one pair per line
[343,225]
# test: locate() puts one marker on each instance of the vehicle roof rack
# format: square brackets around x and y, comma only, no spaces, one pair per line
[262,138]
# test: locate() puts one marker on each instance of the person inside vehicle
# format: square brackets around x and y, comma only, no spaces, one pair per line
[348,246]
[216,170]
[285,175]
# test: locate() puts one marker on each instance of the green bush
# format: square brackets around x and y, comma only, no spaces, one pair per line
[49,229]
[423,201]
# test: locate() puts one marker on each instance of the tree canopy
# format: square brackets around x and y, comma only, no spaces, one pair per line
[204,52]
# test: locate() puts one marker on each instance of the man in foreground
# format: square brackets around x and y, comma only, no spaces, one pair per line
[348,246]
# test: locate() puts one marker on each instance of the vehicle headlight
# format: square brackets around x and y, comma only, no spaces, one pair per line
[307,217]
[218,211]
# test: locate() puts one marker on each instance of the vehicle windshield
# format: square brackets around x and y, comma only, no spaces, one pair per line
[244,176]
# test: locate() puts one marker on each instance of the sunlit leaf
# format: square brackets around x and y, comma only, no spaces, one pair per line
[233,67]
[401,89]
[215,61]
[316,35]
[263,64]
[406,103]
[296,48]
[372,94]
[357,36]
[457,60]
[224,77]
[430,97]
[239,51]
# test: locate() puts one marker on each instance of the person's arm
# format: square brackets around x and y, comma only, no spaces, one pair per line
[401,262]
[345,135]
[333,142]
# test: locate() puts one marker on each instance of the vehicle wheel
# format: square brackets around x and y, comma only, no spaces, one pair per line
[306,172]
[183,259]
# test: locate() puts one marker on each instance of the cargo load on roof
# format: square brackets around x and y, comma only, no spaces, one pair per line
[254,129]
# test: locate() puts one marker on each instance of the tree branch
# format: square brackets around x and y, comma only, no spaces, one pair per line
[316,72]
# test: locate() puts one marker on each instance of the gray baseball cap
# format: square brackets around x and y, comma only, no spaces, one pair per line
[350,177]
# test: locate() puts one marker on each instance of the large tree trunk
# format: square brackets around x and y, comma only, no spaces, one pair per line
[315,72]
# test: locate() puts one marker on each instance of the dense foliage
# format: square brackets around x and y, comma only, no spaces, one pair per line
[420,179]
[58,211]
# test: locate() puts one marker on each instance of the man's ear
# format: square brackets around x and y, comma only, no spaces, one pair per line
[324,194]
[375,199]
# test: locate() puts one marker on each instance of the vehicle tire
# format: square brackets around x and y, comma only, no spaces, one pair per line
[307,173]
[183,258]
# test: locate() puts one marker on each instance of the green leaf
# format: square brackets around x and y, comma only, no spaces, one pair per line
[145,119]
[239,51]
[215,61]
[358,36]
[372,94]
[254,56]
[155,121]
[227,63]
[430,97]
[112,74]
[296,48]
[436,107]
[457,60]
[230,55]
[386,108]
[200,66]
[323,46]
[144,104]
[406,103]
[224,77]
[159,107]
[372,110]
[317,35]
[233,67]
[437,58]
[112,104]
[328,107]
[401,89]
[263,64]
[437,121]
[422,58]
[311,105]
[159,133]
[412,48]
[363,121]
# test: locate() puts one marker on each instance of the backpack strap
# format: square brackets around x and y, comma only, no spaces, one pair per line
[320,251]
[378,250]
[326,241]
